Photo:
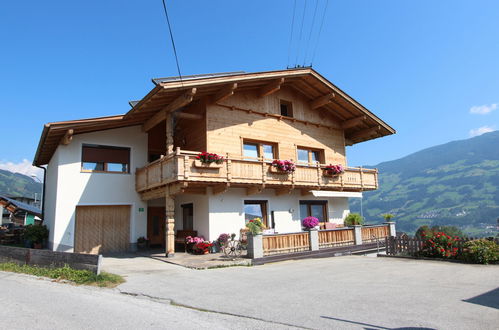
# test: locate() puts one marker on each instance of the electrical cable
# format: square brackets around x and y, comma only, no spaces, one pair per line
[310,34]
[301,30]
[291,34]
[320,30]
[173,42]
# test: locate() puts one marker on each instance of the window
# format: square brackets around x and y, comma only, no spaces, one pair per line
[310,156]
[255,150]
[105,159]
[286,108]
[188,216]
[255,209]
[317,209]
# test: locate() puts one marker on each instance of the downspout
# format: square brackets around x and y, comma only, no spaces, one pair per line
[43,190]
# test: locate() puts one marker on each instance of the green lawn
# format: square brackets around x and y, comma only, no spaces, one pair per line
[82,277]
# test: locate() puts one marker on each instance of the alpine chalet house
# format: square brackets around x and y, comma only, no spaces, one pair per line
[111,180]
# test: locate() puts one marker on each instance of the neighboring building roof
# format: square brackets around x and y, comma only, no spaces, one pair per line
[304,80]
[13,206]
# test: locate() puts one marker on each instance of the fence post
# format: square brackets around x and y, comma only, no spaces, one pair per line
[391,227]
[357,229]
[313,236]
[255,246]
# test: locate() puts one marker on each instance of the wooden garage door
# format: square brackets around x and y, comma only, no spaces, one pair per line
[102,229]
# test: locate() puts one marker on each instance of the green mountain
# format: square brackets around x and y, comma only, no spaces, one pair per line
[15,184]
[456,183]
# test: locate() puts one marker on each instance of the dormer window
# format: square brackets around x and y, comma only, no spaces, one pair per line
[286,108]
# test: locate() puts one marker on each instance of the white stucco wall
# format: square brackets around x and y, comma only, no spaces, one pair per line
[224,213]
[68,187]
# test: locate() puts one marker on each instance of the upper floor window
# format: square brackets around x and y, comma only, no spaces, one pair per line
[310,156]
[286,108]
[97,158]
[255,150]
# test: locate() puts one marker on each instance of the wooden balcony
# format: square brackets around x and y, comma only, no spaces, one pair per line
[182,167]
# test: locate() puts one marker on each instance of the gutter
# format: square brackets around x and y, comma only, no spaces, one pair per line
[43,190]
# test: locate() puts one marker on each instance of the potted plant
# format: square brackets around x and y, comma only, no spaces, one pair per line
[255,226]
[202,247]
[354,219]
[36,234]
[222,240]
[283,166]
[310,223]
[210,160]
[191,241]
[387,216]
[333,170]
[142,243]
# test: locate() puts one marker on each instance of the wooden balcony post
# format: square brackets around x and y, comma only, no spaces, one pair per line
[169,134]
[264,170]
[170,224]
[228,162]
[361,179]
[186,167]
[319,174]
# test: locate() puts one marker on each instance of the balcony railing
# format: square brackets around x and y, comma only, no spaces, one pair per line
[182,166]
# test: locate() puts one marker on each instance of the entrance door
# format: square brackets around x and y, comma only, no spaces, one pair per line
[156,226]
[188,216]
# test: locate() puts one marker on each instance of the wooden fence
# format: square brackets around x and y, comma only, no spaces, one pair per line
[375,233]
[336,237]
[411,246]
[285,243]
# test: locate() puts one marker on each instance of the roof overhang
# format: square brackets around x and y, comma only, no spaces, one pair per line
[325,193]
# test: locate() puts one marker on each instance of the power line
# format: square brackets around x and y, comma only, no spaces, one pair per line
[310,34]
[301,30]
[173,42]
[320,30]
[291,34]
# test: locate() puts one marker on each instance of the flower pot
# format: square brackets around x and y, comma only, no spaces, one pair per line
[200,164]
[329,174]
[273,169]
[142,245]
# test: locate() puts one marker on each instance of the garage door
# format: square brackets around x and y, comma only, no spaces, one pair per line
[102,229]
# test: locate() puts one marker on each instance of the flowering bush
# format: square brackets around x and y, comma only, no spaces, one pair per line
[255,226]
[334,169]
[223,238]
[481,251]
[207,158]
[310,222]
[202,247]
[284,165]
[439,245]
[195,239]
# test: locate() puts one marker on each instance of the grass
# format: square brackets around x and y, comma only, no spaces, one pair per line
[81,277]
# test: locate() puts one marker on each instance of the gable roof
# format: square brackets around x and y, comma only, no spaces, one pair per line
[13,206]
[362,124]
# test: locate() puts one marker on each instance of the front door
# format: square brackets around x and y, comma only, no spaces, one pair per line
[156,226]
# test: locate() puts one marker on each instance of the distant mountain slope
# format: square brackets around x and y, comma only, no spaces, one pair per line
[456,183]
[15,184]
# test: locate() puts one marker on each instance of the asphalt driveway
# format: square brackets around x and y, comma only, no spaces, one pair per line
[344,292]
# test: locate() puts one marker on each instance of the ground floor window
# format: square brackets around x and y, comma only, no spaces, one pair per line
[317,209]
[188,216]
[255,209]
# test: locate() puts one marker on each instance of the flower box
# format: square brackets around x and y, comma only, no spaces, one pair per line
[333,170]
[331,174]
[200,164]
[276,170]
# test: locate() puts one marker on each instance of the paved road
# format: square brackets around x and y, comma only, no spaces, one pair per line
[27,302]
[343,293]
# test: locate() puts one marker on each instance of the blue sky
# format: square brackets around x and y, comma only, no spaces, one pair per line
[419,65]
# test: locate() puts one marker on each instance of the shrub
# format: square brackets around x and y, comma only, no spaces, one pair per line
[354,219]
[481,251]
[310,222]
[439,245]
[36,233]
